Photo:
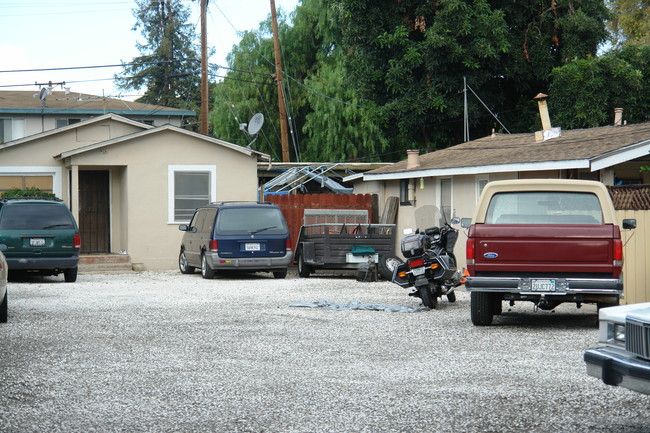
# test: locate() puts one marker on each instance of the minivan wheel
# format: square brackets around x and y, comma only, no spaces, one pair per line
[70,275]
[183,266]
[280,274]
[4,309]
[206,271]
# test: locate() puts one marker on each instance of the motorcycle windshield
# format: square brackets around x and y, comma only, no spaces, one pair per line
[428,216]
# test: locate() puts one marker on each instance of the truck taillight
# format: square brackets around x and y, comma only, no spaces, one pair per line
[214,245]
[76,241]
[618,252]
[470,251]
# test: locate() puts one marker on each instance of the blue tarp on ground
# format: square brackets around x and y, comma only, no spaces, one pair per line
[356,305]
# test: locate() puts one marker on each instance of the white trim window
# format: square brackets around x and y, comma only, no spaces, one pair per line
[11,129]
[189,186]
[481,181]
[55,172]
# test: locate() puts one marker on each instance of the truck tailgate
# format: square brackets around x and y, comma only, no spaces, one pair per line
[544,248]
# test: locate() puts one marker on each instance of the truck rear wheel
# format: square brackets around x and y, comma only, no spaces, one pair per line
[482,308]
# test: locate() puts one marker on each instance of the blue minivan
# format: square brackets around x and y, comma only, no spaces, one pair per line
[236,236]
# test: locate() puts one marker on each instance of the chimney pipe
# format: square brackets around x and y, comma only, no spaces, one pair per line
[543,111]
[618,117]
[413,159]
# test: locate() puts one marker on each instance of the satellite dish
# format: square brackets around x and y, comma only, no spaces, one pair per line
[43,94]
[255,124]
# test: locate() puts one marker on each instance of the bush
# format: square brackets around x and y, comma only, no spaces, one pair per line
[27,192]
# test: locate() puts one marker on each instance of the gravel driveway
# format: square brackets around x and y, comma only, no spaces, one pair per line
[164,352]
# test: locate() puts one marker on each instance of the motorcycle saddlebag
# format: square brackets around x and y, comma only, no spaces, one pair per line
[415,245]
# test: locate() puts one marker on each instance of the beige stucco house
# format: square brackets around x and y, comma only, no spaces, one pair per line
[129,184]
[453,178]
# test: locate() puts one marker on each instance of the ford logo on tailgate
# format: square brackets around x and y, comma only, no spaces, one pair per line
[490,255]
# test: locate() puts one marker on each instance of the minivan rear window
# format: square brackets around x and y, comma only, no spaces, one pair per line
[544,207]
[250,220]
[35,217]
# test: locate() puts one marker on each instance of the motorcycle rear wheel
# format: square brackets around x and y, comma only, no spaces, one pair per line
[428,298]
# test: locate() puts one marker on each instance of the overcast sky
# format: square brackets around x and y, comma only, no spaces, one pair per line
[43,34]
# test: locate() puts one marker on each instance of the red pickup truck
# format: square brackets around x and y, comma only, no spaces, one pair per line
[546,241]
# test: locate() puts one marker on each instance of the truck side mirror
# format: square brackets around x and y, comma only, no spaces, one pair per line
[465,222]
[629,224]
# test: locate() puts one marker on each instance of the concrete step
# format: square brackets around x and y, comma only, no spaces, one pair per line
[105,263]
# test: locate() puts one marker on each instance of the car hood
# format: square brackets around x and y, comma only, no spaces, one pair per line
[619,313]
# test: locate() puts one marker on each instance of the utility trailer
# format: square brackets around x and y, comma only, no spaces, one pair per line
[342,239]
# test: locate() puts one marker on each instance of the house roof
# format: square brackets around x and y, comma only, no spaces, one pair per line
[63,129]
[157,130]
[145,130]
[28,102]
[593,148]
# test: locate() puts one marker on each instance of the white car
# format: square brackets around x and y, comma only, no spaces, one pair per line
[624,356]
[3,288]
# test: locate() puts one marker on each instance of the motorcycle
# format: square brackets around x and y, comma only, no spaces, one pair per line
[430,265]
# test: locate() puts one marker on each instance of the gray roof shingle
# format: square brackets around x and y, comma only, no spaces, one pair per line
[23,101]
[499,149]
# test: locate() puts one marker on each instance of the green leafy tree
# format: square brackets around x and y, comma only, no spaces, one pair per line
[630,22]
[327,120]
[410,57]
[585,92]
[169,63]
[340,131]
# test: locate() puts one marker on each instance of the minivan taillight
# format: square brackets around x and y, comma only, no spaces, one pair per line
[76,241]
[214,245]
[288,245]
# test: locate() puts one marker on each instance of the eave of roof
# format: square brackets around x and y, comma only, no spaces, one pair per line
[81,124]
[158,130]
[593,148]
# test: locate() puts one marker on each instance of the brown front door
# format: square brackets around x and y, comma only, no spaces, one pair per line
[94,211]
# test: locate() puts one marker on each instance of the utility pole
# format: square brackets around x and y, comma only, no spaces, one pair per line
[205,94]
[278,76]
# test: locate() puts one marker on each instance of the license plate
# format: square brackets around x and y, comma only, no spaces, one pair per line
[543,285]
[252,246]
[36,242]
[417,271]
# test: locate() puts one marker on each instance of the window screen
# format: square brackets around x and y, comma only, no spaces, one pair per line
[191,190]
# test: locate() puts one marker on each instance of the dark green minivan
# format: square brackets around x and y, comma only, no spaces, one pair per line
[39,235]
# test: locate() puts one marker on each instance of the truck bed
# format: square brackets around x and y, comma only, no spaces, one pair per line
[559,249]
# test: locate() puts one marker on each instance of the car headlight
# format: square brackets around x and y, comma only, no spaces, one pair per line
[616,333]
